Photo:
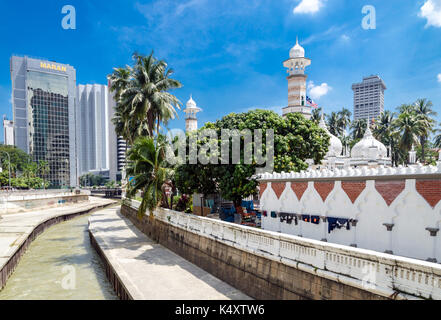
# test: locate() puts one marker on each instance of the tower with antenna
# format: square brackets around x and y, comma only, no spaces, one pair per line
[191,121]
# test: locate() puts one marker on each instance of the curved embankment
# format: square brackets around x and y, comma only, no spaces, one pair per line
[140,269]
[17,231]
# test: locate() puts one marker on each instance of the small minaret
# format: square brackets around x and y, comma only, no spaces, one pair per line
[296,65]
[191,122]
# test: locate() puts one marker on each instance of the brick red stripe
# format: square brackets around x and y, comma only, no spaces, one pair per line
[299,188]
[324,188]
[262,188]
[353,188]
[429,190]
[278,188]
[390,190]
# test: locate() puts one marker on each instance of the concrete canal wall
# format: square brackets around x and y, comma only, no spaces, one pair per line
[270,265]
[16,202]
[18,231]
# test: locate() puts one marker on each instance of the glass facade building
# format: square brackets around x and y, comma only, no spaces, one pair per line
[44,101]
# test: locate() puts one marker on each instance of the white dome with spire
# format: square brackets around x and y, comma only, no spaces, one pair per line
[297,51]
[335,145]
[363,149]
[191,104]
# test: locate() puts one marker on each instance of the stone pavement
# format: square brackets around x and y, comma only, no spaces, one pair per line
[150,271]
[16,228]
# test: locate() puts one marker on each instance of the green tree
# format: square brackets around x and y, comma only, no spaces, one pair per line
[358,128]
[147,167]
[295,140]
[425,114]
[19,158]
[437,140]
[142,97]
[334,124]
[410,127]
[316,115]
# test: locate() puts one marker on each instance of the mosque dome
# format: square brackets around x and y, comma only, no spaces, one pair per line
[191,104]
[297,51]
[364,148]
[335,146]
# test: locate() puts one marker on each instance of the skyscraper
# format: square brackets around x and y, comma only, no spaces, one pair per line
[117,145]
[93,128]
[369,98]
[43,99]
[8,131]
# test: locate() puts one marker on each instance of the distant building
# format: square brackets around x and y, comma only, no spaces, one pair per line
[296,65]
[44,108]
[93,128]
[8,131]
[191,121]
[369,98]
[117,145]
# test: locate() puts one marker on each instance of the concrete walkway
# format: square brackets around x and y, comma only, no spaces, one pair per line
[148,270]
[16,228]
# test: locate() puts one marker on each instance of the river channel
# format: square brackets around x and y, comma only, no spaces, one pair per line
[60,265]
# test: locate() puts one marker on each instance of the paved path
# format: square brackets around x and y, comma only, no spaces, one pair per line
[148,270]
[16,228]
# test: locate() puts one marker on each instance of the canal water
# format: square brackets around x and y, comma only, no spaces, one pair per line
[60,265]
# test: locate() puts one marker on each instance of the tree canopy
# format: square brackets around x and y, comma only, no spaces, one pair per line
[295,140]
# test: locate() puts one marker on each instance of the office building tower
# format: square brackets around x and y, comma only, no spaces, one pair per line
[117,145]
[369,98]
[8,131]
[43,99]
[93,129]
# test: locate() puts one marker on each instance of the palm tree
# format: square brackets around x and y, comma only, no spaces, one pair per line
[410,127]
[423,109]
[437,141]
[143,100]
[358,128]
[147,161]
[316,115]
[344,120]
[385,130]
[334,124]
[43,168]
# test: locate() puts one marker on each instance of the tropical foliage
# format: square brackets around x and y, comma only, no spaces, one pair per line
[25,173]
[295,140]
[142,96]
[412,126]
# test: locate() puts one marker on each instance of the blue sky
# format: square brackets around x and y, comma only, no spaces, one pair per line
[229,53]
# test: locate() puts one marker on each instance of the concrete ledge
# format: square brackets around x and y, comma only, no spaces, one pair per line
[141,269]
[21,229]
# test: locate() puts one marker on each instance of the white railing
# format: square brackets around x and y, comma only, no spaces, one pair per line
[382,274]
[419,170]
[37,194]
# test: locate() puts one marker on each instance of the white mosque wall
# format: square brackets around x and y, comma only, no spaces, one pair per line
[391,210]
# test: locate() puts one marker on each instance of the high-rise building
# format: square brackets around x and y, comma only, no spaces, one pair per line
[296,65]
[117,145]
[93,129]
[8,131]
[44,108]
[369,98]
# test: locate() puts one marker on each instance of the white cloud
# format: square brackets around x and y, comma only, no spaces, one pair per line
[316,92]
[439,77]
[308,6]
[431,10]
[345,38]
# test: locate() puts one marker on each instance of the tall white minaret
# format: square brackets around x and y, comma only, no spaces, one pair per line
[191,122]
[296,65]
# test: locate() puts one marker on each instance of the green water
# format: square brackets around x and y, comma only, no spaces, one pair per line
[60,265]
